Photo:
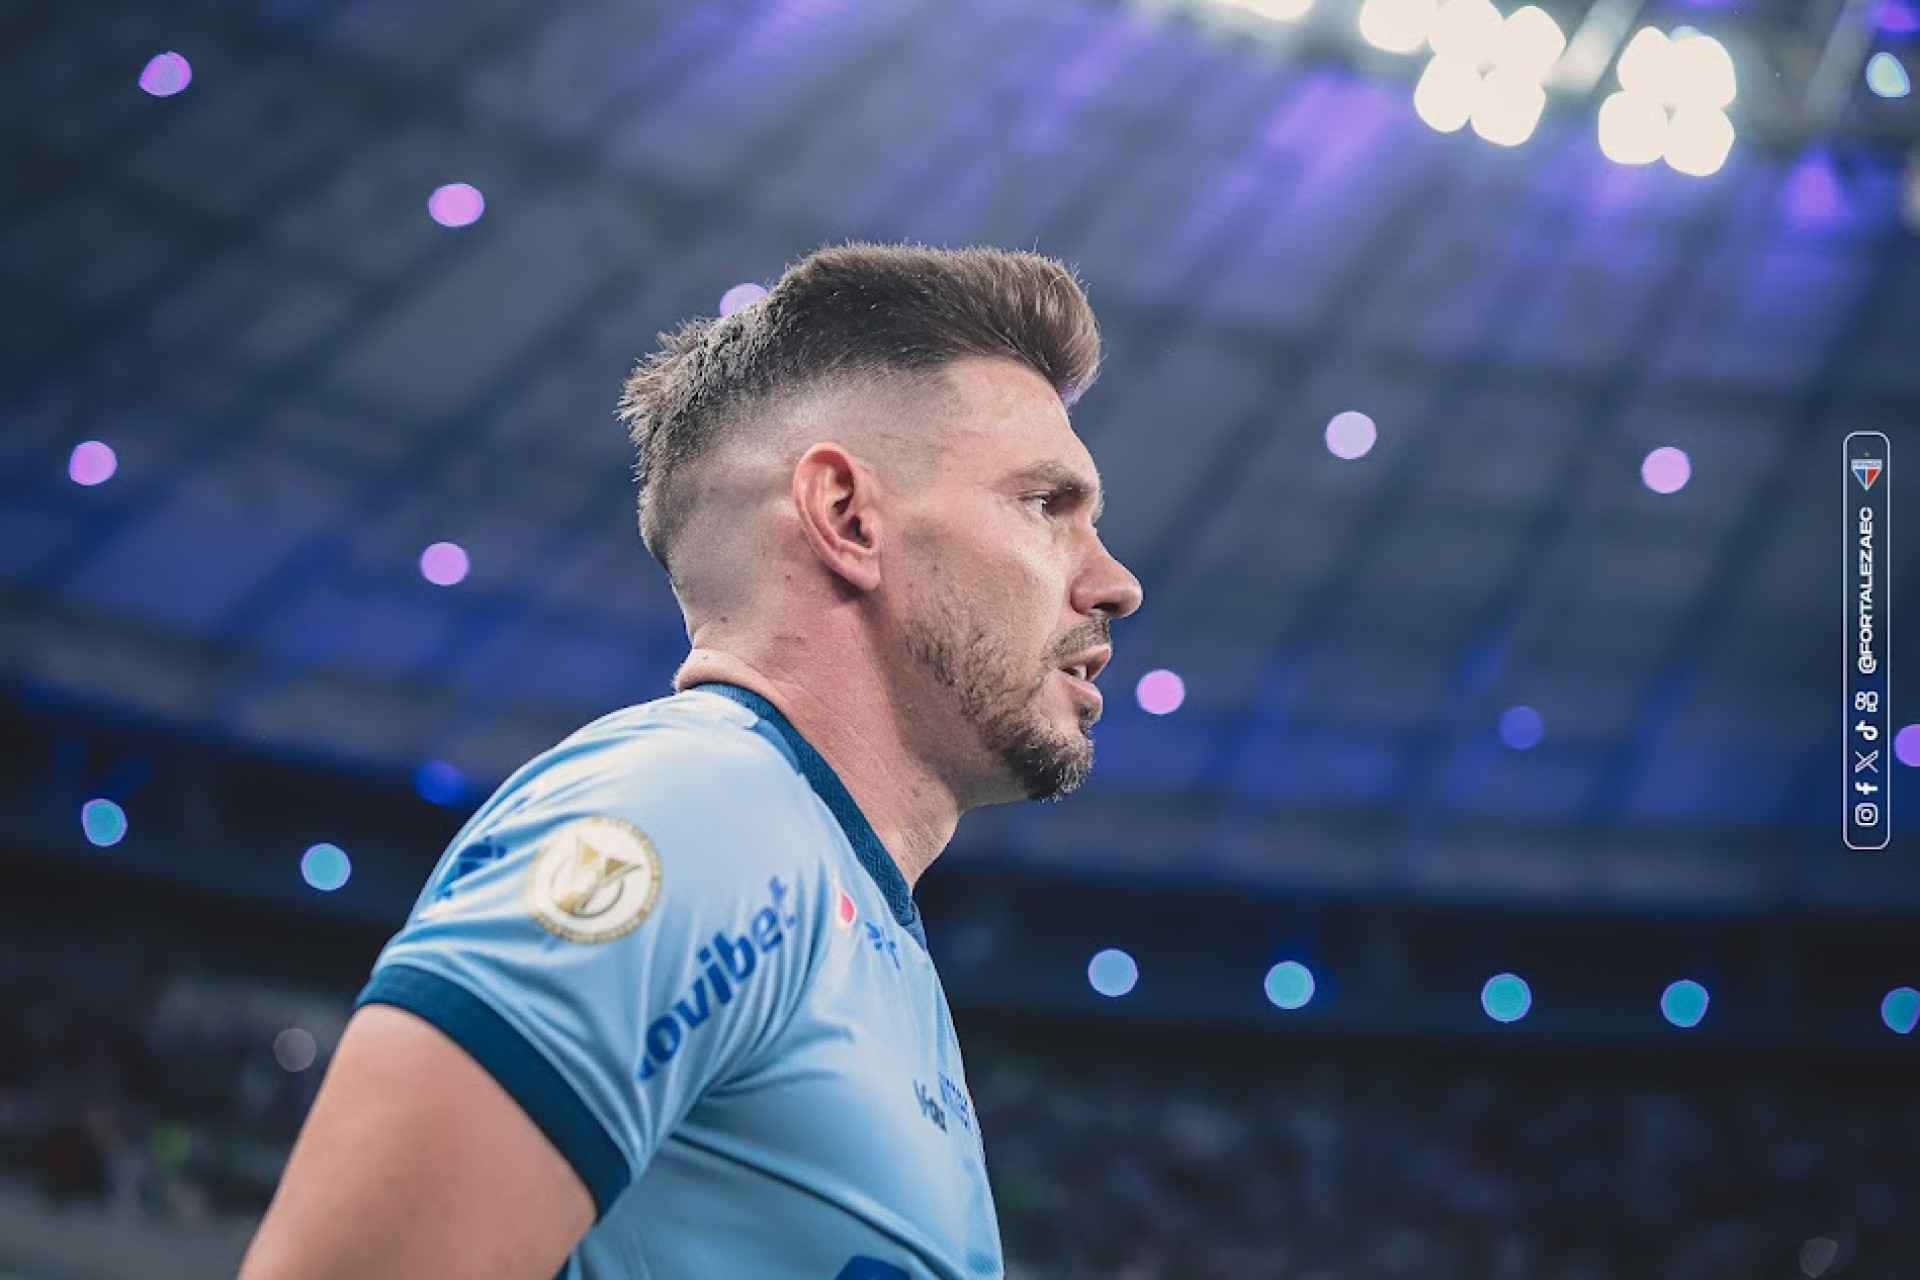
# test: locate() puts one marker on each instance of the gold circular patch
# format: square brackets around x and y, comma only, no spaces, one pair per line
[593,880]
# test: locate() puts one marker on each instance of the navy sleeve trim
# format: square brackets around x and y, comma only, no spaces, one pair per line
[522,1070]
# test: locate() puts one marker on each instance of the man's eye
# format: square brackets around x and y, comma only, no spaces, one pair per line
[1046,500]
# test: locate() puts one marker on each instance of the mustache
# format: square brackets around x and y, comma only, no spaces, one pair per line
[1101,639]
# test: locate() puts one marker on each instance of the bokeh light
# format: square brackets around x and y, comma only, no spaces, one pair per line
[458,204]
[444,564]
[1289,984]
[741,295]
[1113,972]
[1684,1003]
[1443,99]
[1507,107]
[1887,77]
[166,74]
[1700,71]
[1350,435]
[104,822]
[1813,194]
[1906,746]
[294,1049]
[1530,43]
[1633,128]
[1160,693]
[91,463]
[1506,998]
[1901,1010]
[441,783]
[1816,1255]
[1466,31]
[1521,727]
[1646,65]
[1397,26]
[1698,140]
[1666,469]
[326,867]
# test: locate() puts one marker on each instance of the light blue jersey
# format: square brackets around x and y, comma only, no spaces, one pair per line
[677,942]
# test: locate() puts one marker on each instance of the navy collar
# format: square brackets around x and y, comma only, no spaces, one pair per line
[827,785]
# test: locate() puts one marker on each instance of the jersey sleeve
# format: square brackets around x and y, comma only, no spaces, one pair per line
[614,936]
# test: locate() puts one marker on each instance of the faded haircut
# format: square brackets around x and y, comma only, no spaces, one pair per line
[887,315]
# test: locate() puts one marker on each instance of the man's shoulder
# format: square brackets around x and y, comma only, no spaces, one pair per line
[678,746]
[688,789]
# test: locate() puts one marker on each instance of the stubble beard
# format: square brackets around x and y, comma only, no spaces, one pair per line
[1003,709]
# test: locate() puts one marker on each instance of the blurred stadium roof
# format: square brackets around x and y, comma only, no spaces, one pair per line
[307,381]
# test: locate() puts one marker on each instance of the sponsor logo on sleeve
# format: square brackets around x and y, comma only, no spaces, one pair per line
[723,968]
[593,880]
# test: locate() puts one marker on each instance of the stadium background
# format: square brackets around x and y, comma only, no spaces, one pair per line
[1487,499]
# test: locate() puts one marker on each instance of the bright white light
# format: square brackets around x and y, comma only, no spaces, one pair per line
[1446,93]
[1646,65]
[1467,31]
[1633,129]
[1886,77]
[1530,43]
[1685,69]
[1398,26]
[1507,107]
[1701,71]
[1698,140]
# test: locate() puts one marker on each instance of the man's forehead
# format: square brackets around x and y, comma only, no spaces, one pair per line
[1010,411]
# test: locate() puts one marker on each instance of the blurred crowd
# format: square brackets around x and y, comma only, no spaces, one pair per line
[119,1087]
[130,1082]
[1382,1169]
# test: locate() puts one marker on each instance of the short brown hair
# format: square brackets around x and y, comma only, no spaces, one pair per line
[853,310]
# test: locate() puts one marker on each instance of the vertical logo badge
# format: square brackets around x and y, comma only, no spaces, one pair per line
[593,880]
[1866,471]
[844,910]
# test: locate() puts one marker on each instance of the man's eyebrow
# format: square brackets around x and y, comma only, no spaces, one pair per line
[1064,478]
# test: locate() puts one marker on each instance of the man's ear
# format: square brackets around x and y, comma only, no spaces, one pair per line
[835,499]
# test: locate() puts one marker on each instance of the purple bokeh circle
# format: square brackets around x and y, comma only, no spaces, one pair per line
[1666,469]
[166,74]
[91,463]
[444,564]
[1160,692]
[456,205]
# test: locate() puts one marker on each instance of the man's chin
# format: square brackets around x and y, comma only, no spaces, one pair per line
[1057,768]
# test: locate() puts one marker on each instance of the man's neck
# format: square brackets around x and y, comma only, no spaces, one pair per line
[854,730]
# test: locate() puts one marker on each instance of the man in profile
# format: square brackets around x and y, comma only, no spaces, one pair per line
[664,1009]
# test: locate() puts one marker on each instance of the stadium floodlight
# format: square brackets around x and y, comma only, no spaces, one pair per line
[1698,140]
[1507,107]
[1701,72]
[1445,96]
[1646,65]
[1467,31]
[1688,74]
[1530,43]
[1633,128]
[1397,26]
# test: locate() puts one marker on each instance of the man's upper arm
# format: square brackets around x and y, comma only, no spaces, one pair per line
[604,941]
[414,1161]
